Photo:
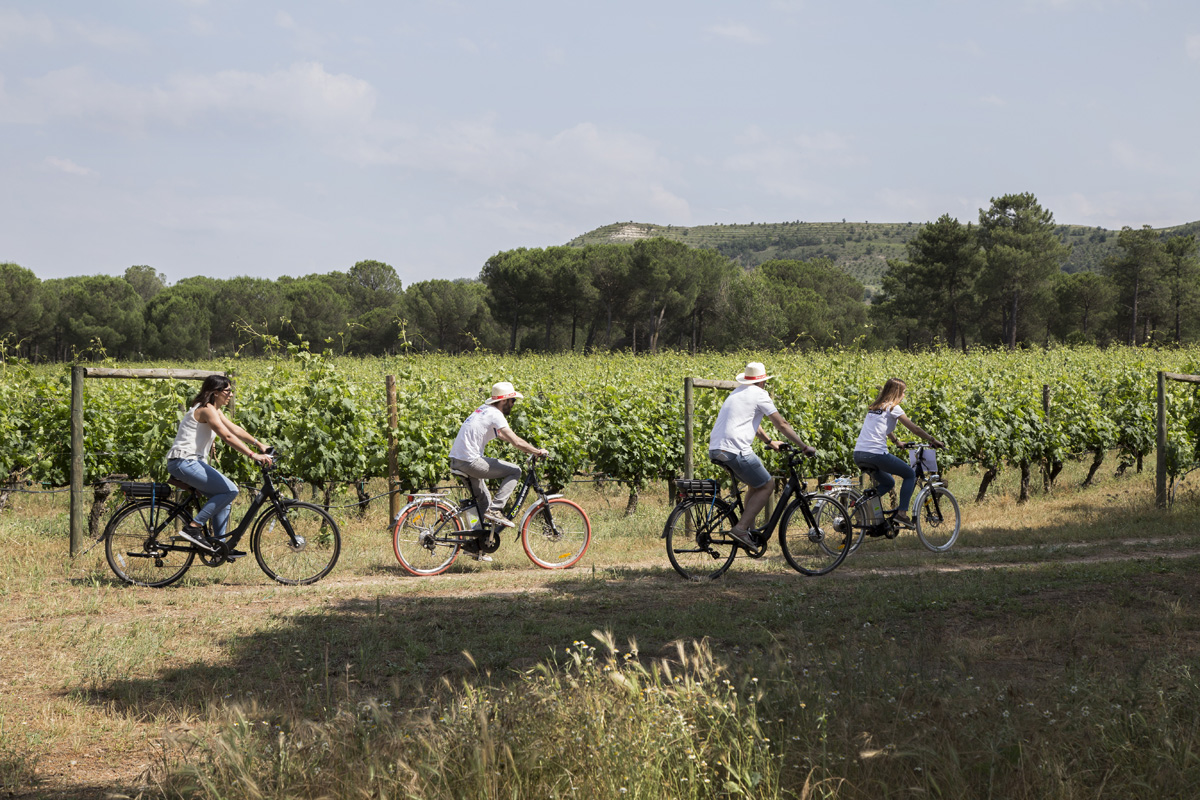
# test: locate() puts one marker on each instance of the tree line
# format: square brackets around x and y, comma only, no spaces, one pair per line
[1001,282]
[650,295]
[998,282]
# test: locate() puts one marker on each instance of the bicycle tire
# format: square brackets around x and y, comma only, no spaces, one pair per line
[823,546]
[937,518]
[299,546]
[851,499]
[699,545]
[134,547]
[417,538]
[556,533]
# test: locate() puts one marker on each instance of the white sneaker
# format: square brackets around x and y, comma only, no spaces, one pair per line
[496,518]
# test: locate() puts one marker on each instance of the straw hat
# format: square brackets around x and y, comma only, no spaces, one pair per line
[754,373]
[503,391]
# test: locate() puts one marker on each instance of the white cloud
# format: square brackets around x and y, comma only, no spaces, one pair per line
[1192,46]
[790,166]
[284,20]
[68,166]
[20,28]
[305,93]
[200,26]
[737,32]
[16,27]
[992,100]
[1114,209]
[108,37]
[1139,160]
[966,47]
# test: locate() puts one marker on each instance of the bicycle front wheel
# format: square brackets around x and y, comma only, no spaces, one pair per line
[298,546]
[425,539]
[821,543]
[142,545]
[698,541]
[556,534]
[938,519]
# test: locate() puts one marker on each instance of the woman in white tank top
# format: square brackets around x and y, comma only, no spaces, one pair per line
[187,460]
[871,449]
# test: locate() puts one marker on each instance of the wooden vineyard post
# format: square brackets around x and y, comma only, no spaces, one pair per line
[393,466]
[1160,462]
[689,408]
[77,375]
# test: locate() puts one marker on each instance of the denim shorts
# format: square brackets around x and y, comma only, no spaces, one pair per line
[747,468]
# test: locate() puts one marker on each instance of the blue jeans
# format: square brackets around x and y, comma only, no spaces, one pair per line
[748,469]
[887,466]
[220,490]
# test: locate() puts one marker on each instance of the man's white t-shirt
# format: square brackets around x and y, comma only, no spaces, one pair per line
[876,428]
[476,431]
[739,418]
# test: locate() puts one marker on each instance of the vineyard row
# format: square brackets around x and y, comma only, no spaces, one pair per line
[618,415]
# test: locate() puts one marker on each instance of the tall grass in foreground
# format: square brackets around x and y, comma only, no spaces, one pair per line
[591,725]
[841,725]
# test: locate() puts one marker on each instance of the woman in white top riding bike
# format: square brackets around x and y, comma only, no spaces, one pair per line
[187,459]
[871,449]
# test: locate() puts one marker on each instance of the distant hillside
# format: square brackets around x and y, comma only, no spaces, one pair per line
[862,249]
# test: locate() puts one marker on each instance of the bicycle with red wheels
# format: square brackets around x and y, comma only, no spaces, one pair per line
[433,529]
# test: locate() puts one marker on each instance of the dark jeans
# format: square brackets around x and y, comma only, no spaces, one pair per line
[888,465]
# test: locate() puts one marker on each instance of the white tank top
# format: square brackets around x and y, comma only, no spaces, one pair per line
[194,439]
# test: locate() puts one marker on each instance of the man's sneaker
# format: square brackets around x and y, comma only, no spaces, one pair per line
[904,522]
[195,534]
[496,518]
[742,536]
[478,556]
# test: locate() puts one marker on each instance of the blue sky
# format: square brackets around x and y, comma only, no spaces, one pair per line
[234,137]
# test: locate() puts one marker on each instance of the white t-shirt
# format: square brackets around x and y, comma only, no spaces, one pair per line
[876,428]
[739,418]
[476,431]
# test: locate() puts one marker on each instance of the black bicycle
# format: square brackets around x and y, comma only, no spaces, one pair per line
[700,545]
[294,542]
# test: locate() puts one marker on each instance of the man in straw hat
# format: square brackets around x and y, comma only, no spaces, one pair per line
[466,455]
[733,436]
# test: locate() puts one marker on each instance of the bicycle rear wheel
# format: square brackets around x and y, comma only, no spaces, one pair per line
[851,499]
[299,546]
[938,519]
[141,544]
[425,539]
[556,534]
[699,545]
[816,548]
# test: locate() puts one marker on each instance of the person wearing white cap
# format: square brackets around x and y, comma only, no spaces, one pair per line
[730,444]
[466,455]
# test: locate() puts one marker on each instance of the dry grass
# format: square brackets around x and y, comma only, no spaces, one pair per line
[954,663]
